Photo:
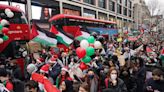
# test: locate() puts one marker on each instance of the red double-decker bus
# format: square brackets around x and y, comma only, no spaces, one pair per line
[70,23]
[18,30]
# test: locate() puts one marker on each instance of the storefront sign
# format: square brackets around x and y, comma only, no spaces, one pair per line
[71,12]
[87,15]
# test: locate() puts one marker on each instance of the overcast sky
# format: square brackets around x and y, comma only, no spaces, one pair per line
[161,3]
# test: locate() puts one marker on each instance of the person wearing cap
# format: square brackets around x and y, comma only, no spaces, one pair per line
[63,76]
[54,68]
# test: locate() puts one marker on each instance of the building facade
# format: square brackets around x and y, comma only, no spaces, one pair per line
[141,14]
[120,11]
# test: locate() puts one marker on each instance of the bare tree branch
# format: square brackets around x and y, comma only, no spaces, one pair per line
[153,6]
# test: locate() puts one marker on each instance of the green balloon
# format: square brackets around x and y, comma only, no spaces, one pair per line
[91,39]
[90,51]
[86,59]
[1,27]
[5,38]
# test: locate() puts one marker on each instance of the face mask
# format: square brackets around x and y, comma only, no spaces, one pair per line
[113,76]
[91,76]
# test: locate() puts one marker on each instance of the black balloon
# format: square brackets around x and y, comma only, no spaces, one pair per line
[101,38]
[7,25]
[1,35]
[3,16]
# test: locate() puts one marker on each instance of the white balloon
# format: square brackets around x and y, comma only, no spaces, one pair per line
[1,40]
[97,45]
[10,14]
[7,10]
[84,44]
[4,22]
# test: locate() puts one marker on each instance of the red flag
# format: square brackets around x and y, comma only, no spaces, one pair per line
[49,87]
[37,77]
[148,50]
[73,30]
[162,52]
[34,32]
[142,31]
[132,38]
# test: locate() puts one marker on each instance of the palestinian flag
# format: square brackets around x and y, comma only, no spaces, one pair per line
[149,50]
[61,36]
[77,32]
[42,36]
[84,34]
[162,55]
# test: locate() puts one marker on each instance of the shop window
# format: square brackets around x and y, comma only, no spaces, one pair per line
[119,9]
[111,5]
[102,3]
[89,1]
[125,11]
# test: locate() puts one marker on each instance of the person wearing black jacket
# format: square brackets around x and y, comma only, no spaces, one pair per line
[156,83]
[129,80]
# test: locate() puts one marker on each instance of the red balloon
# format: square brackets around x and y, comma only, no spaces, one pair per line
[92,45]
[83,66]
[81,52]
[5,30]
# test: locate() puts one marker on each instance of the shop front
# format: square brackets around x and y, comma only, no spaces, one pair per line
[112,18]
[119,23]
[89,13]
[102,16]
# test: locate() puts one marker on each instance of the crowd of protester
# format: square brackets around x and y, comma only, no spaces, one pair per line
[138,71]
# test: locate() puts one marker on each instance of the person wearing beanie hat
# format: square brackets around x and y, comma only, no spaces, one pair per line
[65,69]
[31,68]
[44,69]
[64,75]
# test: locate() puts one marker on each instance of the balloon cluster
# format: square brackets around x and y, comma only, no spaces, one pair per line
[4,24]
[86,50]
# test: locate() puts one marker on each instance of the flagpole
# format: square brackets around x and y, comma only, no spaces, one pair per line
[29,12]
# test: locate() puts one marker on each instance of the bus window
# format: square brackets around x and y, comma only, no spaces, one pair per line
[19,5]
[4,2]
[18,18]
